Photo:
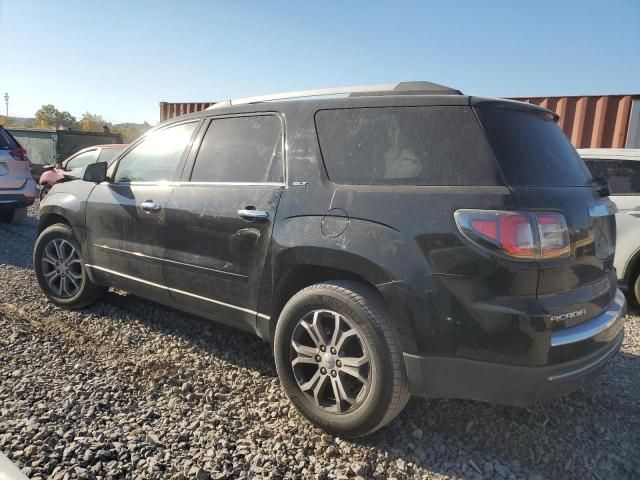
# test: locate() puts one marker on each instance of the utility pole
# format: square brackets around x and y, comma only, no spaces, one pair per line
[6,102]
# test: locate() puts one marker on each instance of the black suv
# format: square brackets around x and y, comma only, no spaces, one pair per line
[388,241]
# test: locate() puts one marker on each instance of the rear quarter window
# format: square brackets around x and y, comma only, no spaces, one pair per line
[405,146]
[532,150]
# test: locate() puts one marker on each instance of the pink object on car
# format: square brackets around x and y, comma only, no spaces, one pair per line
[73,165]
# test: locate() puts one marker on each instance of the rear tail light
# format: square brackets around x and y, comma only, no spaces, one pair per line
[20,154]
[520,235]
[554,235]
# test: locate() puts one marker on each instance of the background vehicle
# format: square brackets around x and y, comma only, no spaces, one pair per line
[405,239]
[620,167]
[73,165]
[17,187]
[49,146]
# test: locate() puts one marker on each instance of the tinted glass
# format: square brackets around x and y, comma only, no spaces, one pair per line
[157,156]
[109,155]
[405,146]
[623,176]
[6,140]
[242,149]
[81,160]
[532,150]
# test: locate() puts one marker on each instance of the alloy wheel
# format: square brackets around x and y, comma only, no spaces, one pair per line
[62,268]
[330,361]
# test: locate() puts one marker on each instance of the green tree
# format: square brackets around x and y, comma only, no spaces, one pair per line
[91,123]
[48,116]
[130,131]
[5,121]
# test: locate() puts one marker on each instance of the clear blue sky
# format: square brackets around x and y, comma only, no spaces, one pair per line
[120,58]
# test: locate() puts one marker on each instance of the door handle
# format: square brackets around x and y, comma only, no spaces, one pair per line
[150,206]
[250,213]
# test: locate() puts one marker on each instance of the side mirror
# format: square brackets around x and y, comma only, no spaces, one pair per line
[95,172]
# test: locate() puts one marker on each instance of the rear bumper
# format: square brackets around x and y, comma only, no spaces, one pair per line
[448,377]
[19,197]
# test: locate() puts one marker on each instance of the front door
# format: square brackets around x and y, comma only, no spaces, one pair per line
[220,218]
[126,217]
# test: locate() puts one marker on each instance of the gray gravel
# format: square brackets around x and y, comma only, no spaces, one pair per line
[129,389]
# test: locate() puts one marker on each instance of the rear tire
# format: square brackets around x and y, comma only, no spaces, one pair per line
[60,269]
[19,215]
[14,216]
[365,369]
[635,290]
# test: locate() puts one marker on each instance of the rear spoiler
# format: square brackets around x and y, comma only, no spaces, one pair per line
[513,105]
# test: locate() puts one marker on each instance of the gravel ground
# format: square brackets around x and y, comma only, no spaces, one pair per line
[130,389]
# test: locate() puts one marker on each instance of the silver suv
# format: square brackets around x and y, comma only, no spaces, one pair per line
[18,189]
[620,168]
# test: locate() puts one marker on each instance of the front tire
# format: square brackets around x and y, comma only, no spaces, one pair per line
[60,269]
[338,359]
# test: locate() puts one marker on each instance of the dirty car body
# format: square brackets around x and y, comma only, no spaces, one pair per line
[497,271]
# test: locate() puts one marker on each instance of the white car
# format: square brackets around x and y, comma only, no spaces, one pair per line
[620,167]
[18,189]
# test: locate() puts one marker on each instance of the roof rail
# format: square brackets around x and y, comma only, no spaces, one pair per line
[401,88]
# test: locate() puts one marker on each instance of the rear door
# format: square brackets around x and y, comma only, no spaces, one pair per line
[623,177]
[220,217]
[126,217]
[545,173]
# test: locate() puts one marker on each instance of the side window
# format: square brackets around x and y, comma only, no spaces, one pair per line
[623,176]
[405,146]
[157,156]
[241,149]
[109,155]
[81,160]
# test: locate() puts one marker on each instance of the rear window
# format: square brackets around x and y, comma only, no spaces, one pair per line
[623,176]
[405,146]
[6,140]
[532,150]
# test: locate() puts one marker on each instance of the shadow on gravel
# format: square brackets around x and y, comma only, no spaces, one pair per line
[592,433]
[241,348]
[567,438]
[16,243]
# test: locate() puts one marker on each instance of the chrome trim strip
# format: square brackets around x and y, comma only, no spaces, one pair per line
[593,327]
[183,183]
[603,208]
[591,365]
[164,287]
[138,254]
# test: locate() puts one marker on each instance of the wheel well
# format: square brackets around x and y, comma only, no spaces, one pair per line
[303,276]
[632,270]
[51,219]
